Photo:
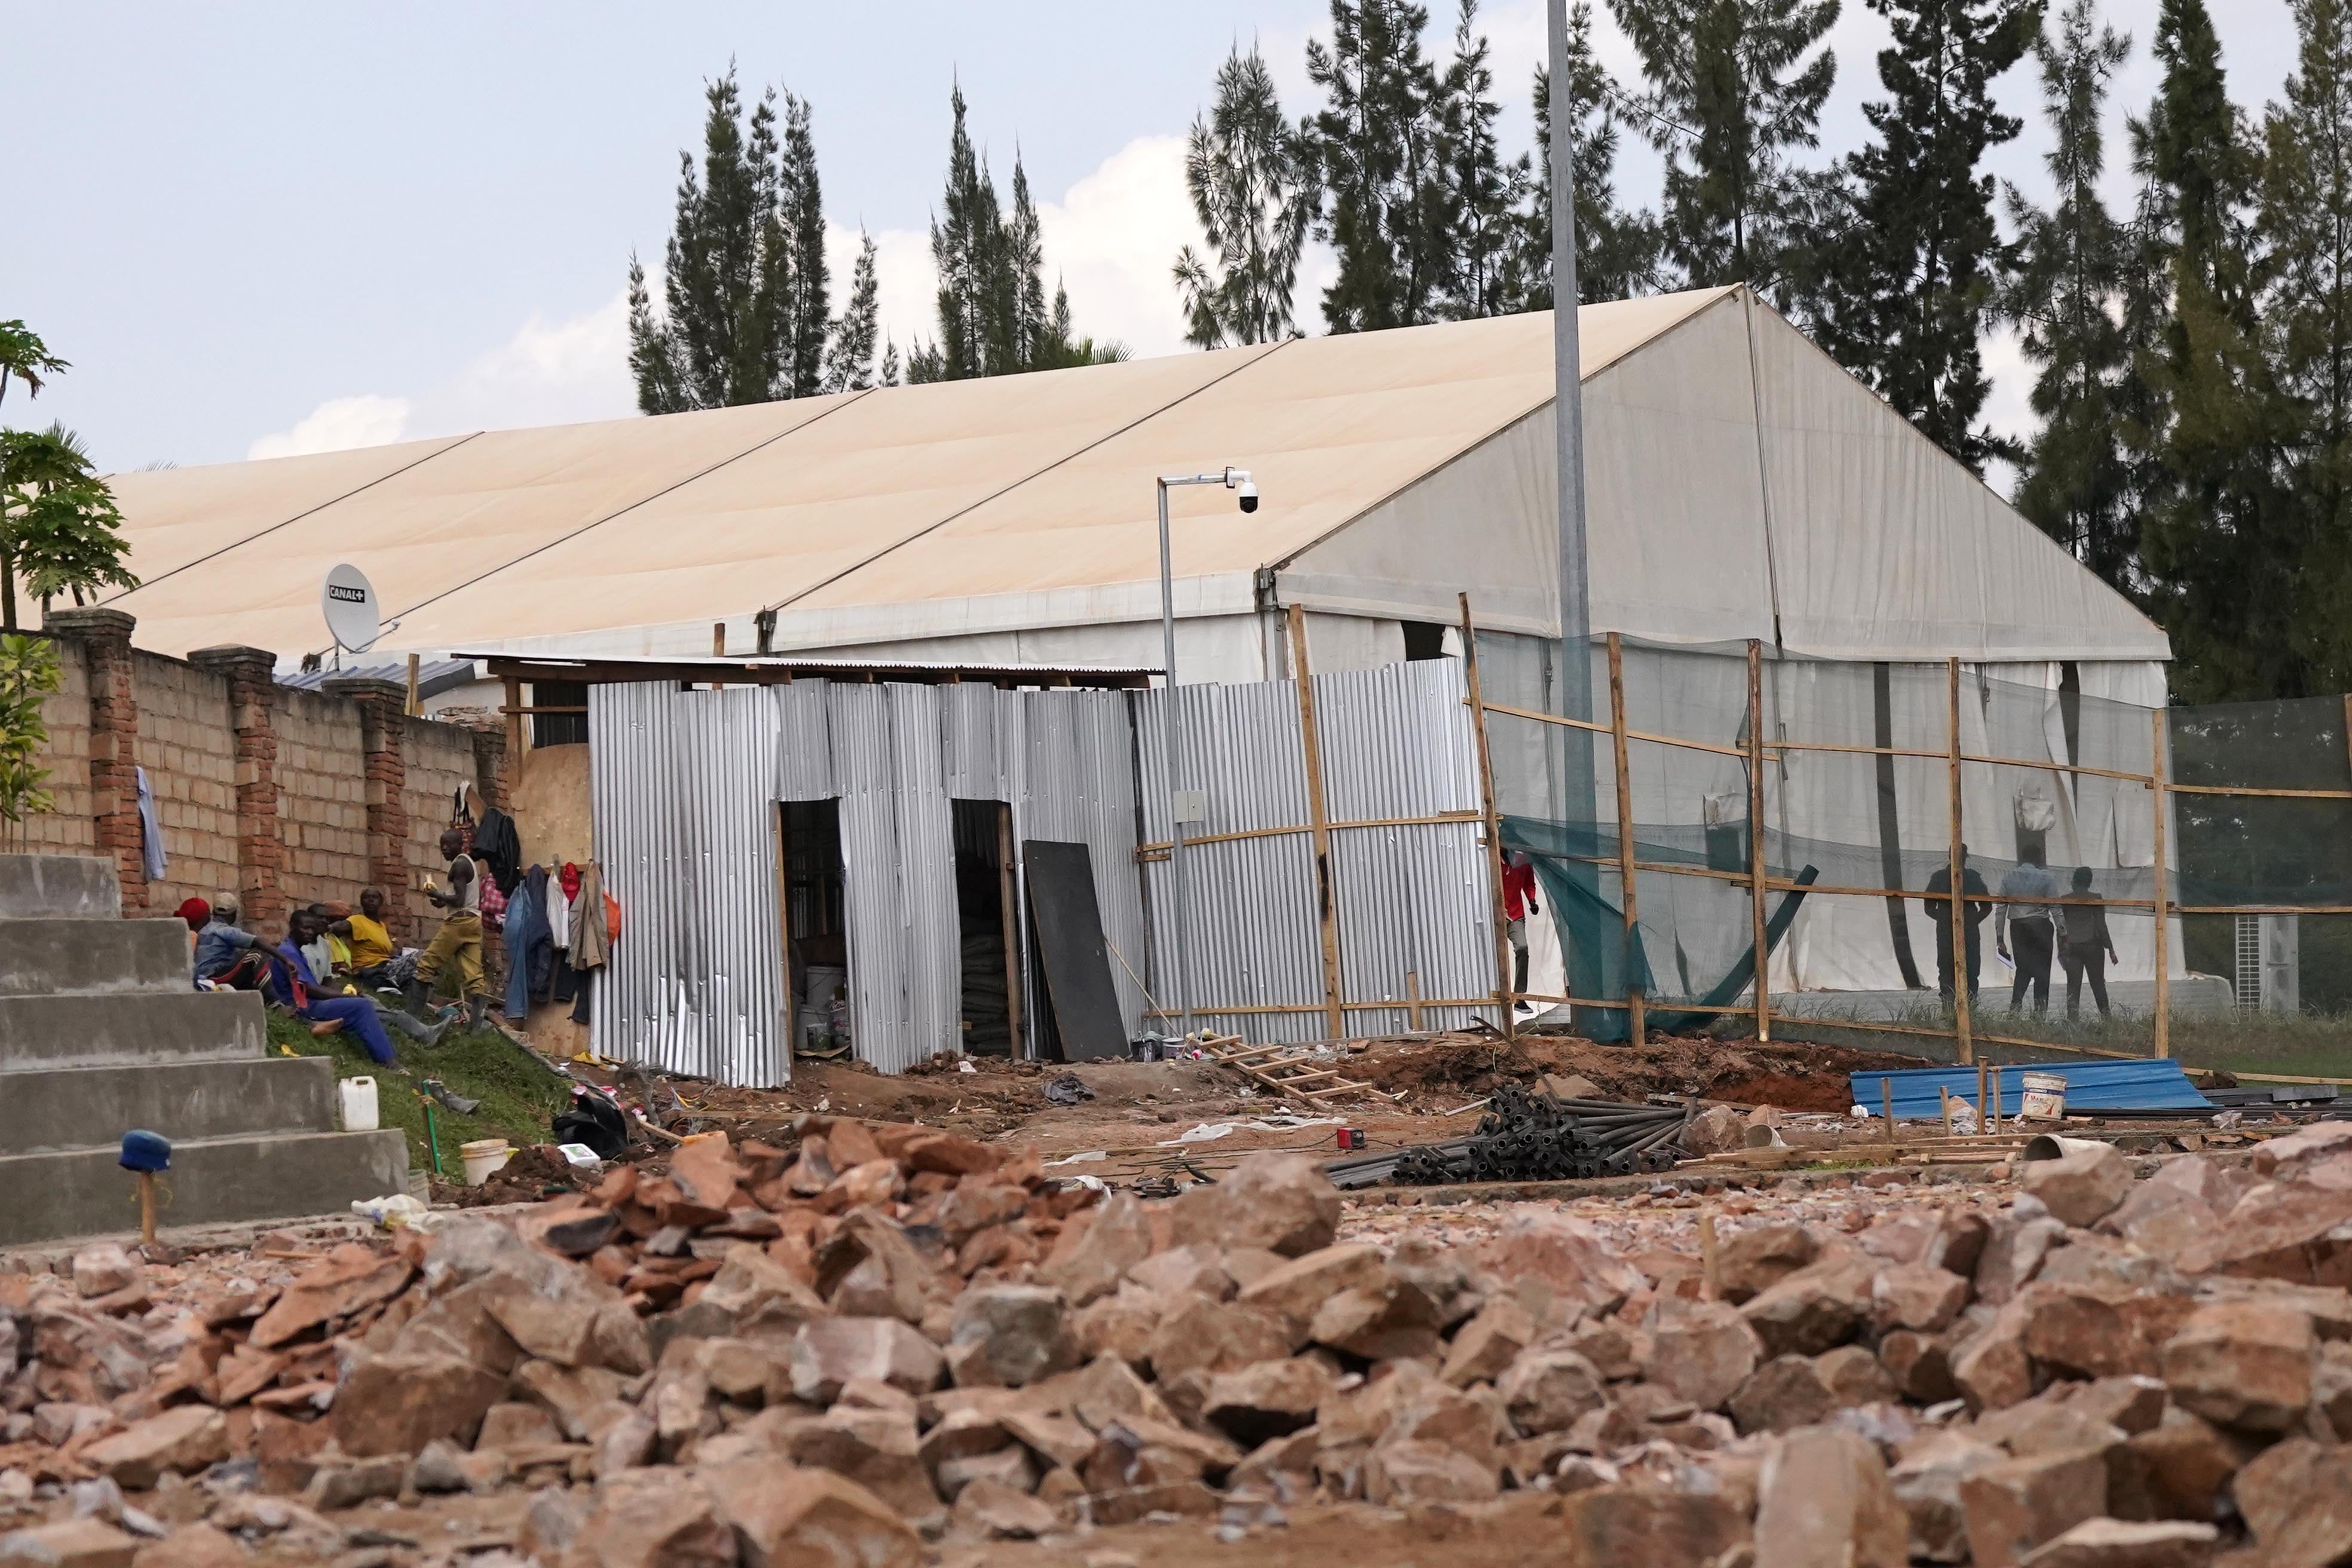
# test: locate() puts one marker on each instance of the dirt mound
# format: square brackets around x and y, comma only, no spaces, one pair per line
[1791,1077]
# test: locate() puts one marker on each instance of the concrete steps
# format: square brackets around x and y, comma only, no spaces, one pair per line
[101,1033]
[83,1192]
[37,1033]
[92,957]
[58,887]
[91,1108]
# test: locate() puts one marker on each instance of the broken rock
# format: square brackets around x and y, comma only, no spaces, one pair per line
[1816,1309]
[1271,1399]
[651,1518]
[2119,1544]
[787,1518]
[1703,1352]
[180,1441]
[2246,1364]
[2081,1187]
[2296,1498]
[1547,1390]
[2014,1506]
[1753,1260]
[831,1351]
[1283,1203]
[398,1404]
[1008,1336]
[1825,1499]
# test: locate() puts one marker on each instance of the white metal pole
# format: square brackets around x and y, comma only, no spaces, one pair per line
[1172,747]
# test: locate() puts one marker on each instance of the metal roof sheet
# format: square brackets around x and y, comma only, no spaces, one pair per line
[2151,1085]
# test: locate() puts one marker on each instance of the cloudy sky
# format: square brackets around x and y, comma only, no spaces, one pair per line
[265,228]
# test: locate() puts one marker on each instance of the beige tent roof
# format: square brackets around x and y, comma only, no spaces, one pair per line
[903,512]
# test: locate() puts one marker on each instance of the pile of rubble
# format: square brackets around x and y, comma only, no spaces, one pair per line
[889,1335]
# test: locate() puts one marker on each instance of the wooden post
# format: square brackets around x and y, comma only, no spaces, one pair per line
[1944,1105]
[1503,997]
[1412,1000]
[1626,860]
[1957,910]
[779,827]
[514,719]
[1755,839]
[147,1208]
[416,702]
[1009,890]
[2163,914]
[1984,1123]
[1318,822]
[1707,1245]
[1887,1096]
[718,639]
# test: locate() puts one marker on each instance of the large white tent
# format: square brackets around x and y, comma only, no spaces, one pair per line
[1741,486]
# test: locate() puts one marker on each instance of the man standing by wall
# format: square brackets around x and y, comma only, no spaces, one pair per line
[1939,911]
[458,943]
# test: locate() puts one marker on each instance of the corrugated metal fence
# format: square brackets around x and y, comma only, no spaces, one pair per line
[1413,910]
[684,784]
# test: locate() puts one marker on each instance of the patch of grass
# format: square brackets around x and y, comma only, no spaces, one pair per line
[518,1095]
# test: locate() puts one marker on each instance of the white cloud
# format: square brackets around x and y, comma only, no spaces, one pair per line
[1112,239]
[366,420]
[549,373]
[905,282]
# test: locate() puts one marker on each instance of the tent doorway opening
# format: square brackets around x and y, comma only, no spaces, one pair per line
[816,947]
[986,910]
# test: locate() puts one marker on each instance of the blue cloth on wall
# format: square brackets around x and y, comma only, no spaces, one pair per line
[531,945]
[151,831]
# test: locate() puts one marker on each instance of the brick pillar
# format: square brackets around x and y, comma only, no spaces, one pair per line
[384,731]
[105,638]
[252,676]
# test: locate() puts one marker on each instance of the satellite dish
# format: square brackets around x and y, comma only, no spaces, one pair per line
[348,600]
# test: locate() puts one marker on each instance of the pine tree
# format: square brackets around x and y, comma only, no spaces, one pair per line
[2220,543]
[1373,144]
[1906,310]
[1618,253]
[2305,222]
[744,309]
[807,282]
[1246,173]
[1470,223]
[2068,298]
[993,314]
[1735,86]
[849,353]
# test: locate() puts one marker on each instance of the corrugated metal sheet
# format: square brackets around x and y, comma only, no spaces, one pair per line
[684,784]
[2108,1085]
[682,789]
[1395,743]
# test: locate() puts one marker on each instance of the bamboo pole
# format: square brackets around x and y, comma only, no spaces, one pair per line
[2163,919]
[1503,977]
[1627,872]
[514,719]
[416,703]
[1412,1000]
[1318,818]
[1956,908]
[1755,839]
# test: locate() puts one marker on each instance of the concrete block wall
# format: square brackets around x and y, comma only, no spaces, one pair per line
[289,796]
[322,798]
[189,751]
[68,829]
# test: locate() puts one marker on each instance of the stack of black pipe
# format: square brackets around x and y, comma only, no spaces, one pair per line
[1532,1137]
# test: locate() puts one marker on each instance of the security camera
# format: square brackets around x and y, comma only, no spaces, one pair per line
[1249,495]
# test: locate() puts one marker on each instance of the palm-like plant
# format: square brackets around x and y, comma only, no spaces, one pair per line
[24,357]
[59,527]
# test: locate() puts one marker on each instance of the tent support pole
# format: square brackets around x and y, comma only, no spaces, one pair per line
[1318,822]
[1755,839]
[1955,910]
[1626,872]
[2163,914]
[1503,998]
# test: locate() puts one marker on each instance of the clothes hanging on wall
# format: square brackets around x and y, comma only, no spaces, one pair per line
[559,910]
[530,956]
[496,840]
[591,937]
[152,859]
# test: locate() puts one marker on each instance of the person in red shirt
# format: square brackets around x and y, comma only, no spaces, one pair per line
[1518,903]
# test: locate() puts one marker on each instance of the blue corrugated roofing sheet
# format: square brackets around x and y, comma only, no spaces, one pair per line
[2104,1085]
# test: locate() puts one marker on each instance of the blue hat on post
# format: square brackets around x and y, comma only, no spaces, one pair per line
[146,1151]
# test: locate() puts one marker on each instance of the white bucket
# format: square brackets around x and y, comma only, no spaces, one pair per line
[2045,1098]
[482,1156]
[357,1096]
